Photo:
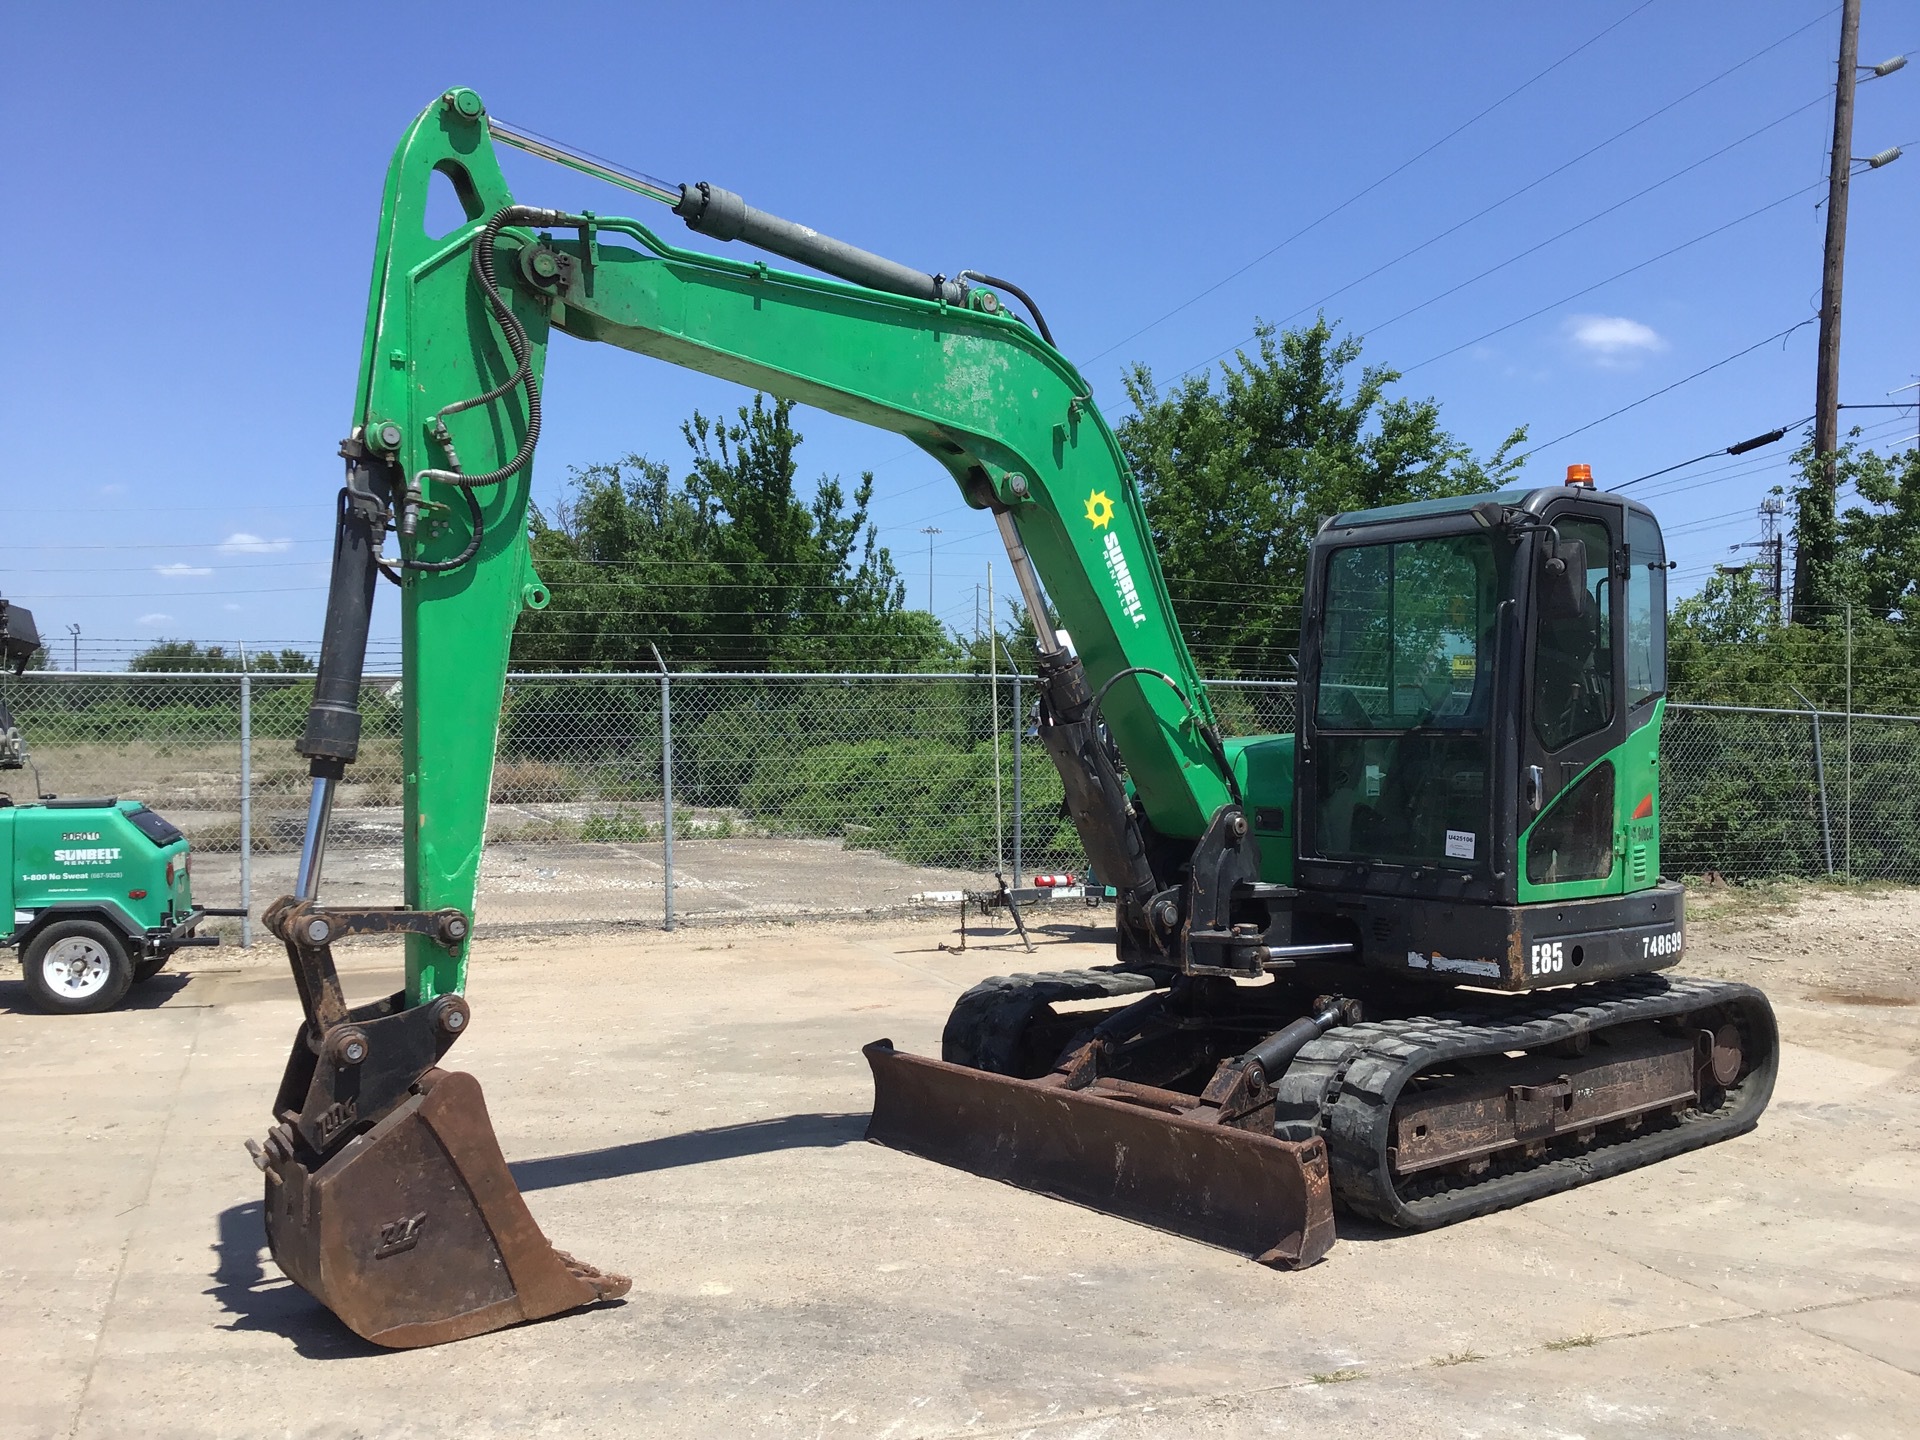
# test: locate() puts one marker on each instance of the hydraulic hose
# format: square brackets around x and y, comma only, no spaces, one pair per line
[1039,320]
[522,350]
[1208,733]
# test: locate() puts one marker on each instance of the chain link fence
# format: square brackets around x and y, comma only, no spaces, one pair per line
[643,799]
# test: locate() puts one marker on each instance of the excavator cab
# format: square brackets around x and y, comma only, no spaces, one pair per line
[1482,680]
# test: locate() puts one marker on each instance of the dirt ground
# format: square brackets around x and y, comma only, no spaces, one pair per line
[689,1108]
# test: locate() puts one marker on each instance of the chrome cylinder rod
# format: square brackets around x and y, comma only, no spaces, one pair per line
[607,170]
[313,849]
[1046,638]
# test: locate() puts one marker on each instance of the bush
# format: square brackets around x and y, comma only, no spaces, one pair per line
[921,801]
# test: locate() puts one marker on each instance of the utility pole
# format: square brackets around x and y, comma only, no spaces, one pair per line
[74,631]
[1815,551]
[930,531]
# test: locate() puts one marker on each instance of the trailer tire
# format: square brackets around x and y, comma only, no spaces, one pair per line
[77,967]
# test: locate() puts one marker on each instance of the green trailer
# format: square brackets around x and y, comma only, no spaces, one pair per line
[98,895]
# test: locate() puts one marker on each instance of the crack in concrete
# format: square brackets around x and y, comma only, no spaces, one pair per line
[1369,1372]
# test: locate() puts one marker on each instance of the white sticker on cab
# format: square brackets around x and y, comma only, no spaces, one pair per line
[1460,844]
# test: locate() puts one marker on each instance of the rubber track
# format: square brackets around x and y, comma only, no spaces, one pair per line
[987,1022]
[1344,1086]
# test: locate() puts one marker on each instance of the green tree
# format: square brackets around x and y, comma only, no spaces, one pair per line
[1237,478]
[1727,645]
[181,655]
[727,567]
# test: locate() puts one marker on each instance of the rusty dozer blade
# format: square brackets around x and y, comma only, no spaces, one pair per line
[1119,1149]
[387,1196]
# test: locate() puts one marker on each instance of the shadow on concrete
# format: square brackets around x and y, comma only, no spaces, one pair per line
[697,1147]
[260,1298]
[148,995]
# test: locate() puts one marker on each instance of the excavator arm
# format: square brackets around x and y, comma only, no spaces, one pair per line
[996,405]
[370,1136]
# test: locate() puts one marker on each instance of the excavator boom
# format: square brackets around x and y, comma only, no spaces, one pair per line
[387,1195]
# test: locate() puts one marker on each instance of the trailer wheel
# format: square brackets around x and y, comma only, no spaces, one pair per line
[77,967]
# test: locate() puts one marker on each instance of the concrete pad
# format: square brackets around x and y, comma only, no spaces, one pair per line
[689,1109]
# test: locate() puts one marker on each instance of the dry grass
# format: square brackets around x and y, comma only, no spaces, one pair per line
[532,781]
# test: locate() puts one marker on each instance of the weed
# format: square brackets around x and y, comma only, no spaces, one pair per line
[1457,1357]
[1572,1342]
[1334,1377]
[630,828]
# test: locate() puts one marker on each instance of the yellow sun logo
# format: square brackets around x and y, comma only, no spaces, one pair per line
[1100,509]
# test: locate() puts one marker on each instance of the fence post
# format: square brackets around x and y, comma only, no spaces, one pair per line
[1820,775]
[1019,740]
[246,809]
[666,782]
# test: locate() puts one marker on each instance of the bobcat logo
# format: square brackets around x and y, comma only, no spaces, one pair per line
[400,1235]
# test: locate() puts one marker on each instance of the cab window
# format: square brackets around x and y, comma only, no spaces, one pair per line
[1573,655]
[1646,610]
[1574,839]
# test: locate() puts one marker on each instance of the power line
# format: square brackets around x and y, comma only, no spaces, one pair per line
[1568,164]
[1375,185]
[1596,216]
[1664,389]
[1617,275]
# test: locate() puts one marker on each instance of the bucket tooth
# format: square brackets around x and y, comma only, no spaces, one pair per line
[1240,1189]
[415,1232]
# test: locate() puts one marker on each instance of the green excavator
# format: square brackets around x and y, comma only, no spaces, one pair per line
[1405,959]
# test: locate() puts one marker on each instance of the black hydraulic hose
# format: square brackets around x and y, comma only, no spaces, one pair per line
[1208,733]
[522,350]
[479,528]
[1039,320]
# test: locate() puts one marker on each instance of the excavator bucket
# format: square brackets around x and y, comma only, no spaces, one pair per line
[1125,1150]
[388,1199]
[415,1233]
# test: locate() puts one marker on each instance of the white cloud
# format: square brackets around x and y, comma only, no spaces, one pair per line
[156,618]
[230,607]
[241,543]
[1613,339]
[113,489]
[179,571]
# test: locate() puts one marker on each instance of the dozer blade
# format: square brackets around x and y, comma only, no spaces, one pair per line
[415,1233]
[1240,1189]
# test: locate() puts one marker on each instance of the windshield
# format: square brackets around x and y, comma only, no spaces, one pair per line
[1404,701]
[1409,634]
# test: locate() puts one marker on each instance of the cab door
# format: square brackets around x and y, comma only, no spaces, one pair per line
[1573,719]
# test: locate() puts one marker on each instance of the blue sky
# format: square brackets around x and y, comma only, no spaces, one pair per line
[204,181]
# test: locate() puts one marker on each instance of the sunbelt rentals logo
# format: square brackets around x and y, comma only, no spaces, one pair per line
[1100,516]
[95,855]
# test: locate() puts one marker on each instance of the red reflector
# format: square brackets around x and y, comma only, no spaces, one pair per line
[136,894]
[1643,809]
[169,872]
